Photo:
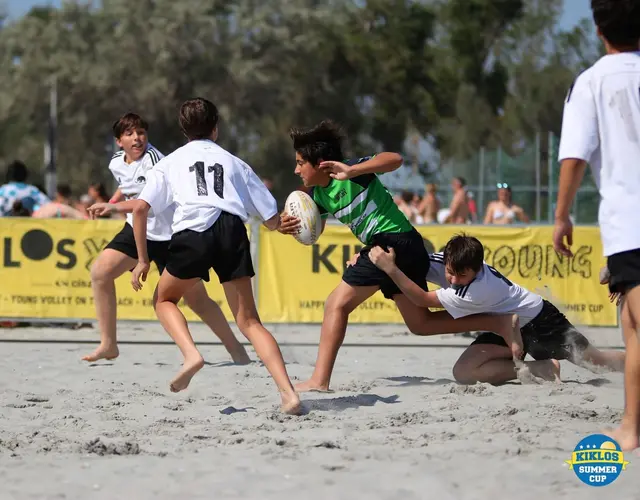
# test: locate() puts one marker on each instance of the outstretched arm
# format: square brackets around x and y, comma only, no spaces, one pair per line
[105,209]
[386,262]
[378,164]
[273,224]
[412,291]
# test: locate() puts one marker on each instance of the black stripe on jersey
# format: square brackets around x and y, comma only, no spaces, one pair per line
[362,180]
[156,154]
[154,158]
[461,292]
[568,98]
[118,154]
[436,257]
[153,154]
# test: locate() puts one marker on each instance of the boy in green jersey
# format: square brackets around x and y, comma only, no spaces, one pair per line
[351,191]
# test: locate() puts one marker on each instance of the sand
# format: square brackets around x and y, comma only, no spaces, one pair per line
[397,426]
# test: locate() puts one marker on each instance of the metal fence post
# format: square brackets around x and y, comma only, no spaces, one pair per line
[481,182]
[550,173]
[538,179]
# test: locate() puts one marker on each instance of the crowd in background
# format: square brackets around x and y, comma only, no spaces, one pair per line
[429,209]
[18,198]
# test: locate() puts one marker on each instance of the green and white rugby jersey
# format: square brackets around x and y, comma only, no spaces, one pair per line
[363,204]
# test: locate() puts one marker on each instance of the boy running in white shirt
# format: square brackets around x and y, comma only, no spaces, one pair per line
[214,193]
[601,127]
[131,167]
[470,286]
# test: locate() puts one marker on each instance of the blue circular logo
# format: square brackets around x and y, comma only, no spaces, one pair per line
[597,460]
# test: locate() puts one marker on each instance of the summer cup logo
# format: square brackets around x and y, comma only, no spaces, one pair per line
[597,460]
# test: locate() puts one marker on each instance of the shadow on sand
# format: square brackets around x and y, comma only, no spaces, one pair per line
[347,402]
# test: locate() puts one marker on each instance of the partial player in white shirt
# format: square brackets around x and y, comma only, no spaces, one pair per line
[470,286]
[215,193]
[131,167]
[601,127]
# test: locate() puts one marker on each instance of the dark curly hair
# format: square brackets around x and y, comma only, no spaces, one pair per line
[322,142]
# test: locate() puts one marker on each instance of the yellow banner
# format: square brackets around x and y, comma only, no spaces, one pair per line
[46,266]
[295,279]
[45,272]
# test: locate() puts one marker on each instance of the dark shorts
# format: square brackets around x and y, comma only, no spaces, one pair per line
[624,268]
[224,247]
[550,335]
[124,242]
[411,257]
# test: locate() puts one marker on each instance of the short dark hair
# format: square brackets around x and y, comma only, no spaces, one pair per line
[127,122]
[198,118]
[461,180]
[322,142]
[64,190]
[463,252]
[101,189]
[618,21]
[17,172]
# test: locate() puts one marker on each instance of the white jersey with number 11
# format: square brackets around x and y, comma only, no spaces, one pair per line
[204,180]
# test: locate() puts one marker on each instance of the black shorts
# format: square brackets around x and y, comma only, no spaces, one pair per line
[223,247]
[550,335]
[412,259]
[125,243]
[624,268]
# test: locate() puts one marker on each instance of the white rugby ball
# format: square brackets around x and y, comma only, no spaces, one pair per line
[300,205]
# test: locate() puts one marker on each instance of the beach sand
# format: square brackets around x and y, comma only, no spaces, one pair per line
[396,427]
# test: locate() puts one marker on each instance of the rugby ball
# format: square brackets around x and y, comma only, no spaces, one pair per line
[300,205]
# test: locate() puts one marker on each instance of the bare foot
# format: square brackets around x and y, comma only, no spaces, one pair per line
[311,386]
[624,436]
[240,357]
[189,368]
[548,369]
[102,352]
[291,404]
[524,375]
[537,372]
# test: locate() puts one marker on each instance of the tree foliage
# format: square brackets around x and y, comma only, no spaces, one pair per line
[462,73]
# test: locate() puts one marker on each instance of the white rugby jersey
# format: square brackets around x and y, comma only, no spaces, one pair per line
[204,180]
[488,293]
[132,177]
[601,126]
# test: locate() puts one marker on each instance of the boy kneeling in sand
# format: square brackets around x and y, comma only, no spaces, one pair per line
[470,286]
